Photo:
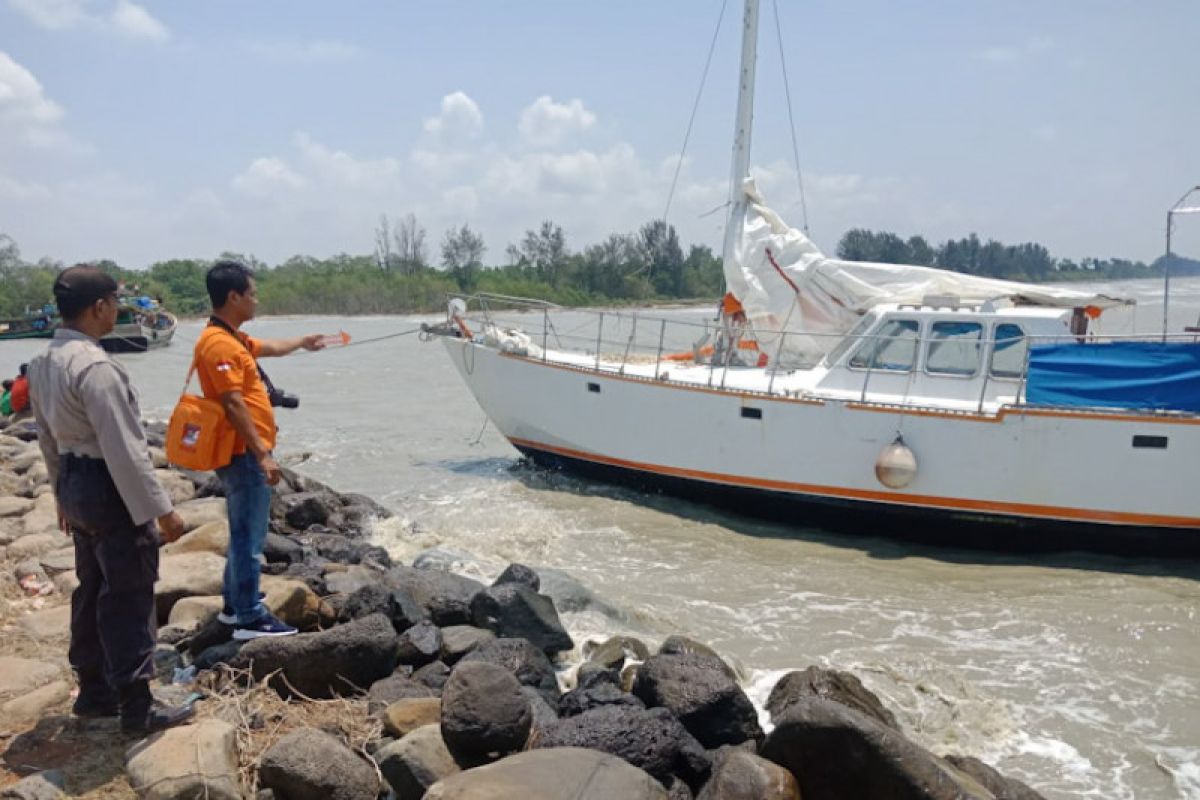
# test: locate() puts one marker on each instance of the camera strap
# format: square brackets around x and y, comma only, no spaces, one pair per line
[262,374]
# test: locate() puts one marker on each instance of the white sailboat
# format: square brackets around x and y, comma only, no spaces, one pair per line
[886,399]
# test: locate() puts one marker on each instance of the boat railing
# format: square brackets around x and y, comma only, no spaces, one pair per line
[674,339]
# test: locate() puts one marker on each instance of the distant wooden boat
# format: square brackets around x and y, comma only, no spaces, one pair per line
[141,325]
[39,325]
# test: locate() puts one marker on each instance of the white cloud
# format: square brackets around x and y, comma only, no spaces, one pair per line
[52,15]
[267,175]
[340,168]
[460,118]
[27,116]
[13,189]
[1006,54]
[133,21]
[316,52]
[123,17]
[546,123]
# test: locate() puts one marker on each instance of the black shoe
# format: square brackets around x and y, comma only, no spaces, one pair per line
[142,714]
[88,708]
[96,698]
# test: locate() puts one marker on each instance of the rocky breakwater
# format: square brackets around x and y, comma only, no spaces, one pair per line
[421,682]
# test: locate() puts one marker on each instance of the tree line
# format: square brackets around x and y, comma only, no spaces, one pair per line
[648,265]
[1027,262]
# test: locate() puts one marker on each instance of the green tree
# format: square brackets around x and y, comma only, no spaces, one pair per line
[462,256]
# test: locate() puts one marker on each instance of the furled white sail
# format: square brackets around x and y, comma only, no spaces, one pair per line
[815,299]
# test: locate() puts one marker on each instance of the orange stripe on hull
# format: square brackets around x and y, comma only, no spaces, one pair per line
[923,501]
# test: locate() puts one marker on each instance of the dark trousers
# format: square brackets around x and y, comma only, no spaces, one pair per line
[113,624]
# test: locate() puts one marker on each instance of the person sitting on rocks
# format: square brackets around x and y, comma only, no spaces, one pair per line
[5,398]
[18,395]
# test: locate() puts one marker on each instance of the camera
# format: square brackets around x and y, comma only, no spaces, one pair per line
[281,399]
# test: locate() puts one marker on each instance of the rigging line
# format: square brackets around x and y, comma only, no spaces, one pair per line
[381,338]
[695,107]
[787,90]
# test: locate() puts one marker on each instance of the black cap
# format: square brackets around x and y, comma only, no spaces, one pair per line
[78,287]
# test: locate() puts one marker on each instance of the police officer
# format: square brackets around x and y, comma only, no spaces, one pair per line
[90,432]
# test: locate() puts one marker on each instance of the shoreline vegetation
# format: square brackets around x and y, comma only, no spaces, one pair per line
[413,679]
[649,266]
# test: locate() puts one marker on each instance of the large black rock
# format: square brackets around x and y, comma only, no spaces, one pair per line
[519,573]
[528,664]
[696,689]
[652,740]
[841,687]
[836,752]
[484,714]
[601,693]
[302,509]
[513,610]
[339,661]
[444,596]
[375,598]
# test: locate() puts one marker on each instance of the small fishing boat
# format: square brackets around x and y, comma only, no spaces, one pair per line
[34,325]
[142,324]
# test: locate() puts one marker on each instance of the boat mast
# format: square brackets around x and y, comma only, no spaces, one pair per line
[741,131]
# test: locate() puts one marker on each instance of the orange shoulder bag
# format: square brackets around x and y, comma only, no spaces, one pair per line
[199,437]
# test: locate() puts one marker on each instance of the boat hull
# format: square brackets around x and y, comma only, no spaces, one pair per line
[136,339]
[1022,479]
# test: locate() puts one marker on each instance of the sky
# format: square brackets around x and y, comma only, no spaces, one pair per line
[143,131]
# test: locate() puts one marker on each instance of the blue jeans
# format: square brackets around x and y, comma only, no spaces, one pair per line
[248,502]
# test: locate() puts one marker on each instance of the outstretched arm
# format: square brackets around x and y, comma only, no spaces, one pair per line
[281,347]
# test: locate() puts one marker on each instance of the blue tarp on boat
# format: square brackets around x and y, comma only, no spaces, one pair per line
[1145,375]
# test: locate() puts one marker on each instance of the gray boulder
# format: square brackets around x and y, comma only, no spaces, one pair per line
[444,596]
[841,687]
[836,752]
[434,675]
[651,740]
[458,640]
[280,549]
[387,691]
[199,760]
[561,774]
[308,764]
[701,695]
[528,664]
[514,610]
[325,664]
[738,775]
[46,785]
[416,762]
[570,596]
[484,714]
[615,651]
[419,645]
[1003,787]
[375,598]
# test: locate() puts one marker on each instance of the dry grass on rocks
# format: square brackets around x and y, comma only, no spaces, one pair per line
[261,717]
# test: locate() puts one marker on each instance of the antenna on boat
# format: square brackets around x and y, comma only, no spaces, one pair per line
[1178,208]
[742,130]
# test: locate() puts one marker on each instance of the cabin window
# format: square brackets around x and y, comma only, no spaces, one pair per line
[1008,355]
[894,347]
[954,348]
